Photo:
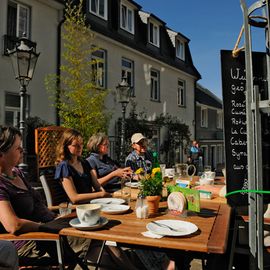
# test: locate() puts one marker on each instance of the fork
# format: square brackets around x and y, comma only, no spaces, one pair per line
[167,226]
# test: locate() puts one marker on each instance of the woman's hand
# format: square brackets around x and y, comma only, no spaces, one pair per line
[123,172]
[105,194]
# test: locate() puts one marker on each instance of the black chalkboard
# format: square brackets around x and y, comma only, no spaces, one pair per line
[234,108]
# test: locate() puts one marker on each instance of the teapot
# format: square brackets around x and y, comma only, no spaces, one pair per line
[185,170]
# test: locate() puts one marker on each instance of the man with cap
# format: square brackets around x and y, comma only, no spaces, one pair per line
[139,157]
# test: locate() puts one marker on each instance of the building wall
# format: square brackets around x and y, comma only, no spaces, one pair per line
[45,16]
[209,138]
[142,64]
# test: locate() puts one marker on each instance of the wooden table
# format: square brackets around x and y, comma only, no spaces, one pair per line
[211,237]
[219,181]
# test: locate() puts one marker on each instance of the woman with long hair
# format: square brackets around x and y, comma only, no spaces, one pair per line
[73,171]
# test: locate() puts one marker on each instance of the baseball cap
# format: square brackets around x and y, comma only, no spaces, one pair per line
[136,137]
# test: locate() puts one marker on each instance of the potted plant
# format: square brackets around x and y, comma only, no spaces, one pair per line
[151,187]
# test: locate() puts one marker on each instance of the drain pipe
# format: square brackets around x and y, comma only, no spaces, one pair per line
[58,71]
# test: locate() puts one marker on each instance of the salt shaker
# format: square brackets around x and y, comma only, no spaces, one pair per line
[141,207]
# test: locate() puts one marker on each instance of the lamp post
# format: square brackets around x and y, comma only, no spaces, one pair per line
[123,95]
[24,59]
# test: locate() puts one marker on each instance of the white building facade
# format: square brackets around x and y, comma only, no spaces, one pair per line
[38,21]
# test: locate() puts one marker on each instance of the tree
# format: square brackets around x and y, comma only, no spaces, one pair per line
[178,134]
[78,99]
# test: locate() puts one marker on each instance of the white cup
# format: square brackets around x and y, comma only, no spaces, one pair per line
[210,174]
[206,181]
[88,214]
[170,172]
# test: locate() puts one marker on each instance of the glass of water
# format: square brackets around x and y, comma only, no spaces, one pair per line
[126,189]
[207,168]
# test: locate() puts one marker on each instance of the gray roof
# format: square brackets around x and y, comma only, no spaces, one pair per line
[206,97]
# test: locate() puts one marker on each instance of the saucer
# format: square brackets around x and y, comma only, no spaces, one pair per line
[115,209]
[75,223]
[103,201]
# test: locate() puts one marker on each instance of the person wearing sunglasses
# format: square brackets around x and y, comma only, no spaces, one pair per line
[140,157]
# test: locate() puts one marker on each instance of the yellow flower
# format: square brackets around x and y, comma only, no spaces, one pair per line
[139,171]
[154,171]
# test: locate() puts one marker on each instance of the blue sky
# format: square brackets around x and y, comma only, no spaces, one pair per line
[211,26]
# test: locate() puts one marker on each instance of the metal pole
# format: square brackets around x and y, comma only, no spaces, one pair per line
[23,166]
[122,142]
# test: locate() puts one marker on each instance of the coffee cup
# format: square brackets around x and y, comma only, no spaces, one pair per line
[170,172]
[88,214]
[210,174]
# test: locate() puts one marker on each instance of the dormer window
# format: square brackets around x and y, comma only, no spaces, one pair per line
[153,33]
[99,8]
[127,18]
[18,20]
[180,49]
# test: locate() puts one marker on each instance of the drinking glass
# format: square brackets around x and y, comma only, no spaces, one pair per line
[64,209]
[126,189]
[207,168]
[162,169]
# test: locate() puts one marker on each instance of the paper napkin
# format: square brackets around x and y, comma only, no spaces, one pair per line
[151,235]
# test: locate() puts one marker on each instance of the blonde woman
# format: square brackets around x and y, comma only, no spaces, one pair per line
[73,171]
[103,167]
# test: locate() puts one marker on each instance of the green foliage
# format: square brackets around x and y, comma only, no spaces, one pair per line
[80,102]
[178,132]
[152,185]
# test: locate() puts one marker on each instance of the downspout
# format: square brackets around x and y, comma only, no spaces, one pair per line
[58,71]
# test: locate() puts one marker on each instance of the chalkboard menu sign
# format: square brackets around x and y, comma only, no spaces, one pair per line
[234,107]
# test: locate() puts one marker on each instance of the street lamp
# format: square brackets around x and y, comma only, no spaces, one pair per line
[123,95]
[24,59]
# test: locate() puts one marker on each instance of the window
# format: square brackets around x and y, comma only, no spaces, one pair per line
[12,109]
[180,49]
[153,34]
[219,154]
[205,154]
[181,93]
[219,120]
[127,18]
[99,68]
[18,20]
[99,8]
[128,71]
[204,117]
[154,85]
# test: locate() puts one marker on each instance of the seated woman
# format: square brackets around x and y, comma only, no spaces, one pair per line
[22,209]
[73,171]
[103,167]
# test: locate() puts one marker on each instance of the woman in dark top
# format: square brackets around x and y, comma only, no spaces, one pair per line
[22,209]
[103,167]
[73,171]
[78,184]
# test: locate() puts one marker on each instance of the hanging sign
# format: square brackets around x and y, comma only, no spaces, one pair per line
[235,128]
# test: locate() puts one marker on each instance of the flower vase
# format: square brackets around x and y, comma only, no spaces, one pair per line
[153,204]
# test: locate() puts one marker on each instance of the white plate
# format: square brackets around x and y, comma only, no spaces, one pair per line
[133,184]
[184,227]
[115,209]
[103,201]
[75,223]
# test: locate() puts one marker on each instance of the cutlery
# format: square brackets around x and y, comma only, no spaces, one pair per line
[167,226]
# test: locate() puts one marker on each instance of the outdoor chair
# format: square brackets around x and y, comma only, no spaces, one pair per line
[38,236]
[53,190]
